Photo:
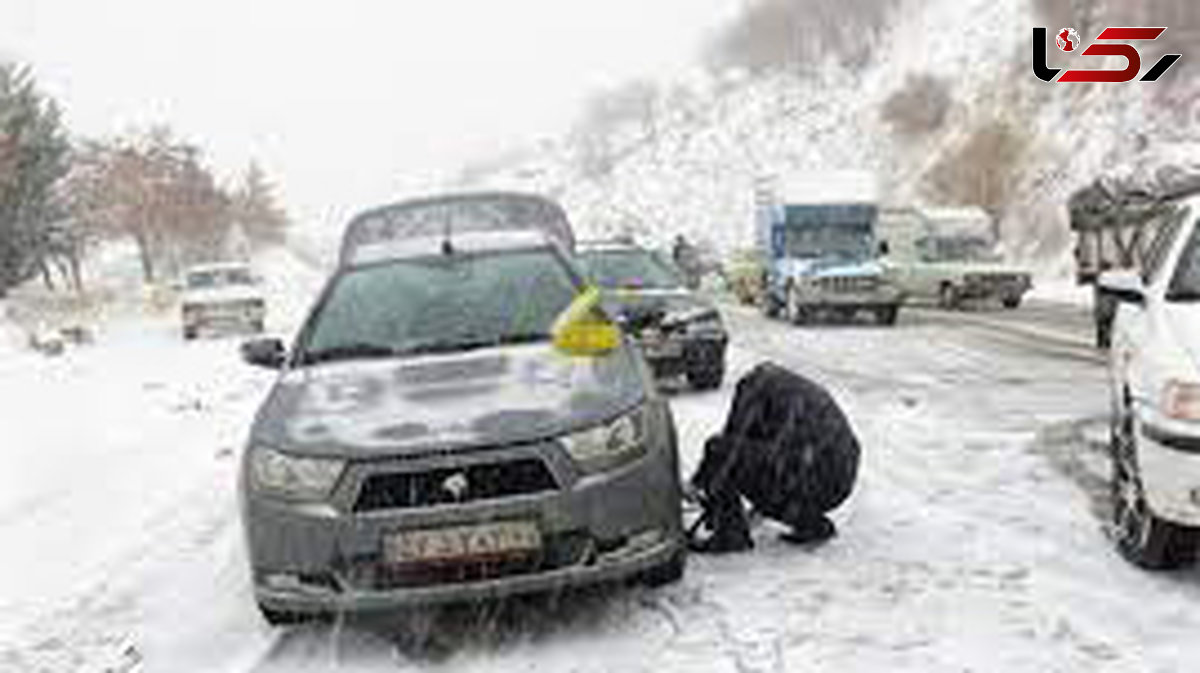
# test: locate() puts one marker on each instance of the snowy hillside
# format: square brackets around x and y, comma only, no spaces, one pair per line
[1025,143]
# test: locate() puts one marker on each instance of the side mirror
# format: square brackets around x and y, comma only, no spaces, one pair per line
[267,352]
[1123,285]
[582,330]
[884,249]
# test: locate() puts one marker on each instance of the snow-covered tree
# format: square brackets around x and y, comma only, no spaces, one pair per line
[256,209]
[34,156]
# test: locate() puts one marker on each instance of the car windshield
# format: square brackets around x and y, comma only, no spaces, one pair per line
[842,241]
[628,269]
[958,249]
[213,278]
[1185,284]
[440,304]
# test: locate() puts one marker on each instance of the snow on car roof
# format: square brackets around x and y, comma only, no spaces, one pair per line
[217,266]
[458,214]
[607,246]
[425,246]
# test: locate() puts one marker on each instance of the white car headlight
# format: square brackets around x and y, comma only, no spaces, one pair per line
[291,476]
[1181,400]
[607,446]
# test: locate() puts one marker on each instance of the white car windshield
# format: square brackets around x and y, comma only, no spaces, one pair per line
[214,278]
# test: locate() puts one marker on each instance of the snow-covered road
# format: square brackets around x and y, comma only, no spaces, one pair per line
[975,540]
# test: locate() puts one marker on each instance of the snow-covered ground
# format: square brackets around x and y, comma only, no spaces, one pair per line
[974,541]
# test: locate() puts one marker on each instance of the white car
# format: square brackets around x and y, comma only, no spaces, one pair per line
[1155,375]
[222,296]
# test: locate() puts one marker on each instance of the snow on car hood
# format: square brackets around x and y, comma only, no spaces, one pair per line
[222,295]
[434,403]
[824,268]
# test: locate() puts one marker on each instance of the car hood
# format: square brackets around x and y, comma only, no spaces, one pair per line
[672,302]
[221,295]
[434,403]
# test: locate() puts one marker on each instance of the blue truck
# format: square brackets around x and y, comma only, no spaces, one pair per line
[821,258]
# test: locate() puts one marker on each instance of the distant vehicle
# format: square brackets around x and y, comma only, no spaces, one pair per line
[679,331]
[745,274]
[1155,374]
[949,255]
[222,296]
[818,241]
[1123,224]
[455,422]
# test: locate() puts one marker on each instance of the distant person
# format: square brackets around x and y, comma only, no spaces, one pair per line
[687,260]
[788,449]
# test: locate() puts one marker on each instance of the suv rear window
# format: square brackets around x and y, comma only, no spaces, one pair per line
[443,303]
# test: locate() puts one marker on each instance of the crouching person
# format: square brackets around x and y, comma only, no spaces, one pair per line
[788,449]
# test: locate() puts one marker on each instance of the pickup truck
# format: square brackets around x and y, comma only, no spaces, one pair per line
[949,256]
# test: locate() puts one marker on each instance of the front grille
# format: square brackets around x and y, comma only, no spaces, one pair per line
[847,284]
[487,481]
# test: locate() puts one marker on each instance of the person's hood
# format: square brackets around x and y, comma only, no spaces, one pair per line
[674,303]
[222,295]
[434,403]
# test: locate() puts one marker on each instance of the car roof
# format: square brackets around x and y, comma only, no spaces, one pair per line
[609,246]
[218,266]
[430,246]
[456,214]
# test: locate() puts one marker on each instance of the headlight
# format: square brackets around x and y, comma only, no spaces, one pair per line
[607,446]
[707,325]
[1181,400]
[293,477]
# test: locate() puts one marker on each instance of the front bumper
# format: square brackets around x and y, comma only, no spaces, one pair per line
[834,300]
[679,354]
[596,528]
[1169,462]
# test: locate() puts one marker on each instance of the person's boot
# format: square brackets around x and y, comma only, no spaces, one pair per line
[810,531]
[731,531]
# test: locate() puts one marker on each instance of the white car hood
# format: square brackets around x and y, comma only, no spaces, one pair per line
[222,295]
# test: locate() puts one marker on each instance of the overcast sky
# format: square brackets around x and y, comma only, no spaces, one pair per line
[346,103]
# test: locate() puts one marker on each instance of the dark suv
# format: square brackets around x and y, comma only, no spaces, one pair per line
[679,331]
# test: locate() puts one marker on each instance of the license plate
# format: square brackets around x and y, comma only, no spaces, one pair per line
[463,543]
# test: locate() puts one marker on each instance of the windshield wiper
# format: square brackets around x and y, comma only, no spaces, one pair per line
[1184,295]
[352,351]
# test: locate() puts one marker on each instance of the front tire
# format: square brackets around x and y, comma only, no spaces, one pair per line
[1142,537]
[667,572]
[887,315]
[949,297]
[797,314]
[1011,301]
